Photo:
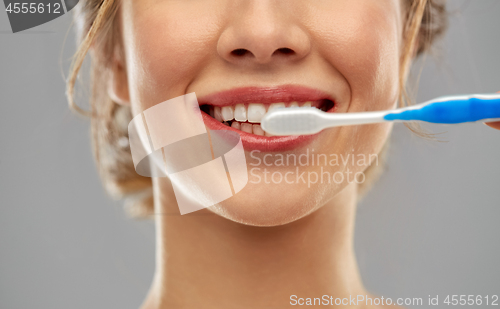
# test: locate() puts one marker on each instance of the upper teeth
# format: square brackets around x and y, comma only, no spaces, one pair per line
[256,112]
[252,112]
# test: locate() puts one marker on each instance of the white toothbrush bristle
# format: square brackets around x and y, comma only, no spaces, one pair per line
[292,121]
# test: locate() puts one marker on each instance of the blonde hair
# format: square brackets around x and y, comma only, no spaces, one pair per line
[96,26]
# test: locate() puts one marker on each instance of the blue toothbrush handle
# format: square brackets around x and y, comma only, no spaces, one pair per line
[452,110]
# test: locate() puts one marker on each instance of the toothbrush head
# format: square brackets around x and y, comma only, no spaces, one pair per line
[292,121]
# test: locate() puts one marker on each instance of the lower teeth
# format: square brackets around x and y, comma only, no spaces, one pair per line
[252,128]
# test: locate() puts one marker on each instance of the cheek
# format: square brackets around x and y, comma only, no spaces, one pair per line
[166,47]
[362,42]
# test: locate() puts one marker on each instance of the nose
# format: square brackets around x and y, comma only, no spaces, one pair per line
[260,33]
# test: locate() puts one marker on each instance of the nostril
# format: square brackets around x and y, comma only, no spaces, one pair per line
[242,52]
[239,52]
[285,51]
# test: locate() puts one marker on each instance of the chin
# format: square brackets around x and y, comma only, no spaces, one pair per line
[273,204]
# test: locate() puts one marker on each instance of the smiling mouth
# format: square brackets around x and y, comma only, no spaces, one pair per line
[247,117]
[242,109]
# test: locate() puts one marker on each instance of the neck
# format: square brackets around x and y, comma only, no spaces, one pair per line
[206,261]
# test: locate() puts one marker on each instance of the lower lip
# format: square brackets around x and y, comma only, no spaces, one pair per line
[261,143]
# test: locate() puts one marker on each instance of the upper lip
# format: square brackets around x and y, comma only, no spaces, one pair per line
[265,95]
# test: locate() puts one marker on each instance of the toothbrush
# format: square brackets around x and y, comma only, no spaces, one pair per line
[445,110]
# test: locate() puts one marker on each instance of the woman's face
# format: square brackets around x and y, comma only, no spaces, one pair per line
[342,55]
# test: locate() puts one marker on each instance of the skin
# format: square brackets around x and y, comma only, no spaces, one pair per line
[494,125]
[222,256]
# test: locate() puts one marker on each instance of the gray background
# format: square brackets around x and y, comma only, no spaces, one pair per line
[429,227]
